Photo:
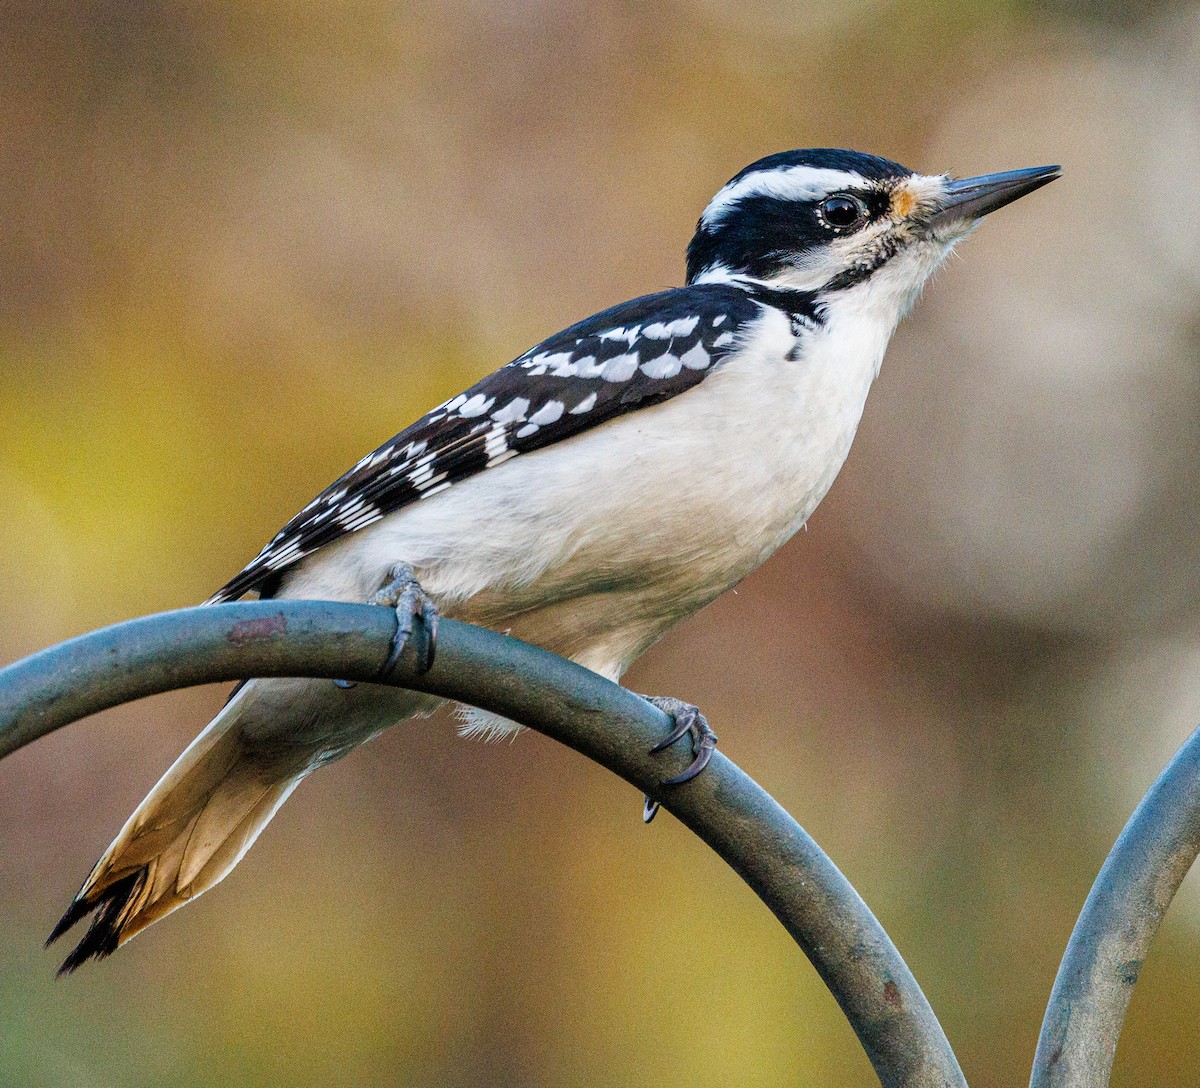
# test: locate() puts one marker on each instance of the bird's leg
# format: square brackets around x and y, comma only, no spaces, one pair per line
[688,722]
[403,592]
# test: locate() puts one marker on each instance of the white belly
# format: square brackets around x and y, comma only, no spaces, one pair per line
[595,546]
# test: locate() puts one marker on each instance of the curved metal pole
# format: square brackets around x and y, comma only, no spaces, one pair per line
[1120,918]
[603,721]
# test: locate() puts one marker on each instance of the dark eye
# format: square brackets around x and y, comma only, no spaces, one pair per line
[841,212]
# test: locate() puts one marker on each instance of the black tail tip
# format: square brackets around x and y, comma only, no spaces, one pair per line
[104,933]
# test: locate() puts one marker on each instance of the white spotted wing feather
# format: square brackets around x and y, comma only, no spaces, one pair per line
[639,353]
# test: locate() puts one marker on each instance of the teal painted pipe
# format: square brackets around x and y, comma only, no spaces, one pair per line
[601,720]
[1120,918]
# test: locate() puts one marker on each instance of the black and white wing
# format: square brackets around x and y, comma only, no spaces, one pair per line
[635,354]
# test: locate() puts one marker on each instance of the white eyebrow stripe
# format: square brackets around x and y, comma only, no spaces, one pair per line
[785,182]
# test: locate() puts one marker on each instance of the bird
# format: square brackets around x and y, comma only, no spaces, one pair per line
[587,496]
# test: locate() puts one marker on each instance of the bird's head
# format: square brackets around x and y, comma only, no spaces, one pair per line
[841,224]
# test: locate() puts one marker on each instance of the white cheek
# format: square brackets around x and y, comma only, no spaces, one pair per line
[813,272]
[816,269]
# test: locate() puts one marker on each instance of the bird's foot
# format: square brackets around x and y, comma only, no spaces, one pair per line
[414,607]
[689,722]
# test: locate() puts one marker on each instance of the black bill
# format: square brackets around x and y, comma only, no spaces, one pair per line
[971,198]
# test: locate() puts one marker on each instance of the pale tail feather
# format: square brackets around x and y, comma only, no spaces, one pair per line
[189,832]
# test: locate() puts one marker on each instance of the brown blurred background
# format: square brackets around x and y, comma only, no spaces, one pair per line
[242,244]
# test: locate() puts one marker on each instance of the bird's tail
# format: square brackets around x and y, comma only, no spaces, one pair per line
[189,832]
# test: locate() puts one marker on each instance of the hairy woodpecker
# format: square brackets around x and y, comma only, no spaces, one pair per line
[601,487]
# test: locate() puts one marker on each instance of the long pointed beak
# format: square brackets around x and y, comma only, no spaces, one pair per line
[969,199]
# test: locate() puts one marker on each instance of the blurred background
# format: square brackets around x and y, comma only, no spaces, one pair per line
[240,245]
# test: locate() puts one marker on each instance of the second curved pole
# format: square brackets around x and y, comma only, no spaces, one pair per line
[1120,918]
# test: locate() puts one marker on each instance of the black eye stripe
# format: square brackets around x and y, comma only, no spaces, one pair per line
[761,233]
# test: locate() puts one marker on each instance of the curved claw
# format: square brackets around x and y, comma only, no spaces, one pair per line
[685,721]
[650,808]
[429,625]
[399,641]
[707,744]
